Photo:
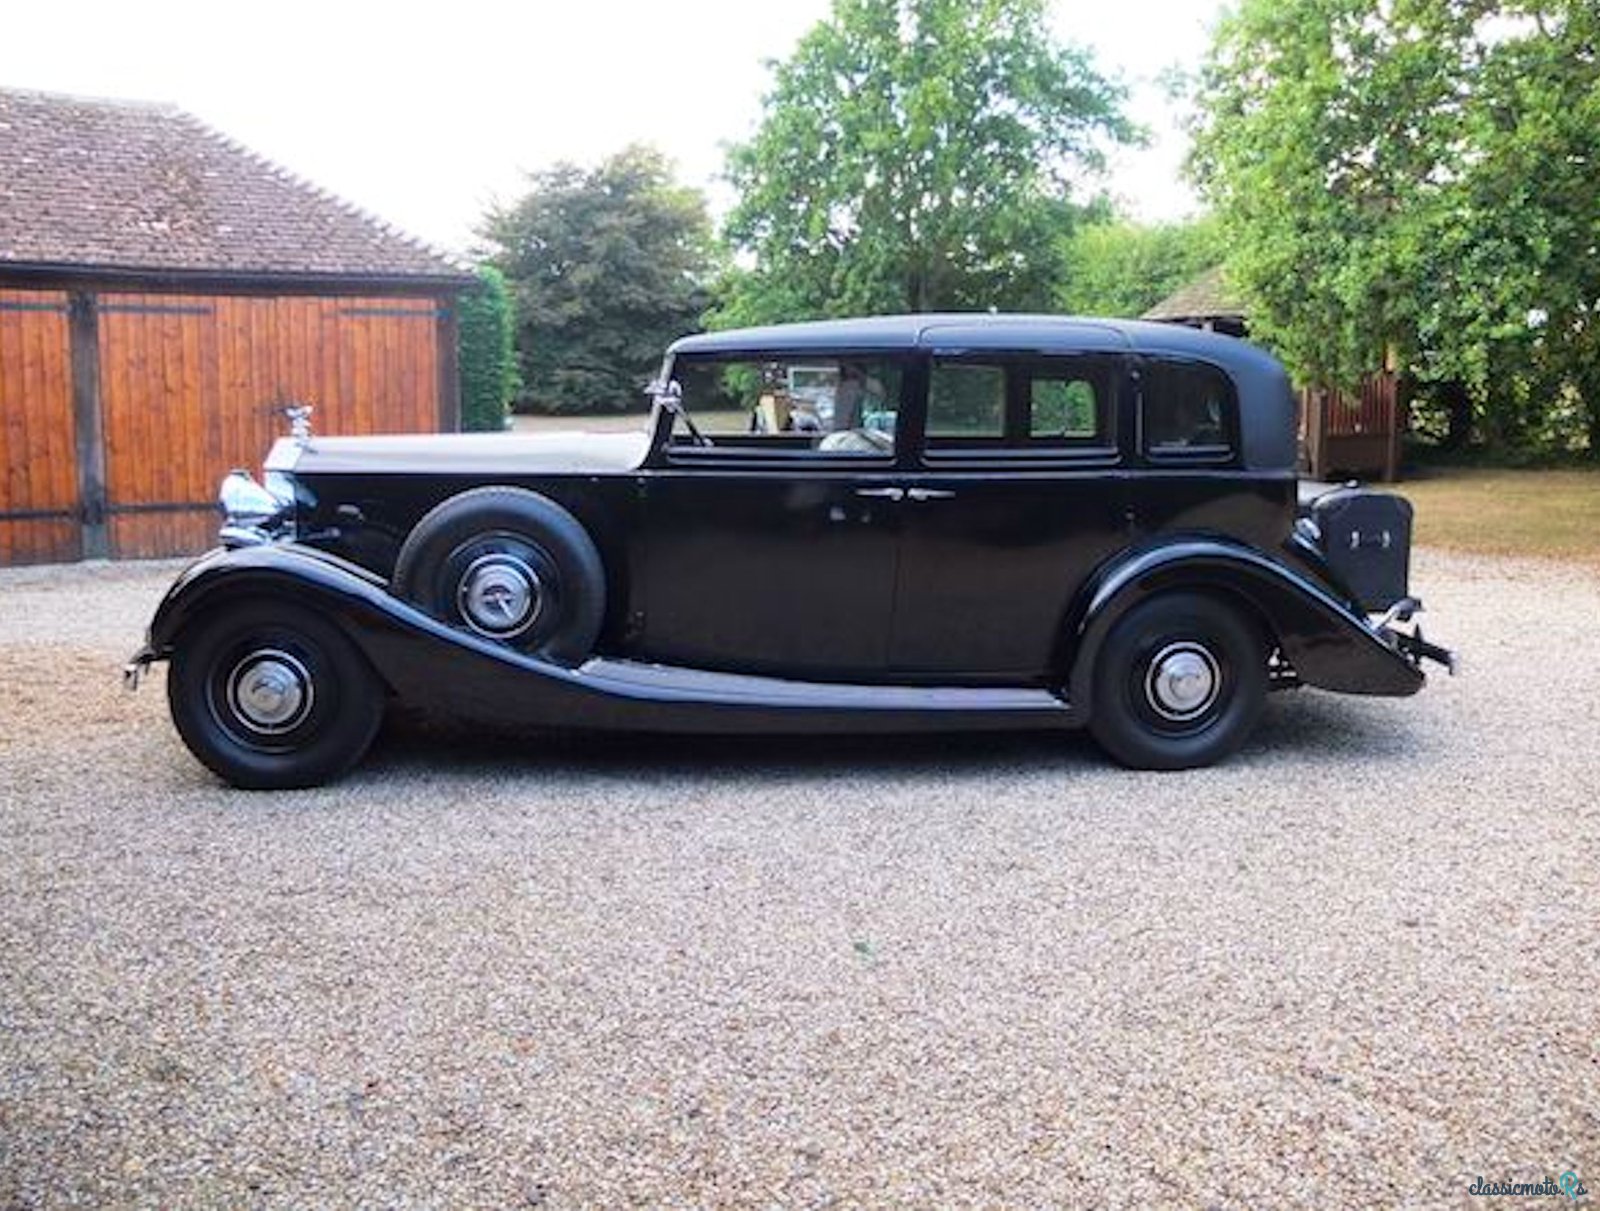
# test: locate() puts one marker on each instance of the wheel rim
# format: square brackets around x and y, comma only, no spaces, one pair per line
[1183,682]
[500,595]
[270,691]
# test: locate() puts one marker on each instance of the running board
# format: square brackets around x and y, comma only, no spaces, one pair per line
[1008,706]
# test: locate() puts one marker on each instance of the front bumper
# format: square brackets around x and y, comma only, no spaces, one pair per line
[133,672]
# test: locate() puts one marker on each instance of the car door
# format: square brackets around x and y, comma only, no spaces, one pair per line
[1016,497]
[775,552]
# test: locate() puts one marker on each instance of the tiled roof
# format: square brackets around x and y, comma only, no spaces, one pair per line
[1206,298]
[130,185]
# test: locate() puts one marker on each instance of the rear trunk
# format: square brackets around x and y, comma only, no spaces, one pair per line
[1366,539]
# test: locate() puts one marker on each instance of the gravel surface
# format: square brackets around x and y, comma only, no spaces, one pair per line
[1355,965]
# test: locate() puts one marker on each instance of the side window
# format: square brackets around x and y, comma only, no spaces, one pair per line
[1070,405]
[788,405]
[966,401]
[1017,406]
[1186,411]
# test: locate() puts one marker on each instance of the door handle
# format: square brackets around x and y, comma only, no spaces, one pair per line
[929,494]
[882,493]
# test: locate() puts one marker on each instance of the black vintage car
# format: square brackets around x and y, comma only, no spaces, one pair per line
[893,524]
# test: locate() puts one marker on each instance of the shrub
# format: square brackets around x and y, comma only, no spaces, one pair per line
[487,359]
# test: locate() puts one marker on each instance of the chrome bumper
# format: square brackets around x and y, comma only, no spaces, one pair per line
[1400,630]
[133,671]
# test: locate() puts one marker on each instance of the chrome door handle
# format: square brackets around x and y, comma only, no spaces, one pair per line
[929,494]
[882,493]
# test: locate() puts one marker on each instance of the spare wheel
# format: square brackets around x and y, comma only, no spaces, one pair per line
[511,566]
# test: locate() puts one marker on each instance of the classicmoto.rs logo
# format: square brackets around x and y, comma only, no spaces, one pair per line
[1566,1185]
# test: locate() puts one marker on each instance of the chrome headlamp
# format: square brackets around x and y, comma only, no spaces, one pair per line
[253,514]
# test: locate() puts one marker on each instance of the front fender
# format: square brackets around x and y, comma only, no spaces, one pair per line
[287,570]
[1329,645]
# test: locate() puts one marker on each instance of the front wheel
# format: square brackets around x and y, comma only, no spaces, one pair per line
[269,696]
[1179,682]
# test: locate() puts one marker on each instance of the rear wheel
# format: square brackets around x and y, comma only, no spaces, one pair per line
[271,696]
[1179,682]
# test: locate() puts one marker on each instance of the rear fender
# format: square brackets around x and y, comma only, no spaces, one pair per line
[1329,645]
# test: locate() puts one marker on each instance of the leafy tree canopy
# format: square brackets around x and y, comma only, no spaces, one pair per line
[606,266]
[1415,175]
[916,155]
[1124,269]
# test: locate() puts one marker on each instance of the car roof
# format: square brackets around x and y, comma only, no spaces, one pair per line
[960,331]
[1266,403]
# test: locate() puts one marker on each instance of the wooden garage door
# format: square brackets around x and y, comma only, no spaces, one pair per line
[39,473]
[192,386]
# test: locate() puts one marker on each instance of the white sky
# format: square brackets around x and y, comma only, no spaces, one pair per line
[425,114]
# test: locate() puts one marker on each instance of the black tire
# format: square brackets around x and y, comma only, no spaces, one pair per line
[516,544]
[1179,682]
[313,733]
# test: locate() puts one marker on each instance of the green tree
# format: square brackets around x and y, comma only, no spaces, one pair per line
[916,155]
[1415,176]
[1124,269]
[606,266]
[488,357]
[1531,184]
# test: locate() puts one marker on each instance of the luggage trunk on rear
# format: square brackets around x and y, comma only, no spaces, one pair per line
[1366,538]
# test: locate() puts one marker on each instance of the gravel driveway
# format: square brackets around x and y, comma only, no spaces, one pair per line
[1355,965]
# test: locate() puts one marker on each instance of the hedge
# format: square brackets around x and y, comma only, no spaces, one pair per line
[487,358]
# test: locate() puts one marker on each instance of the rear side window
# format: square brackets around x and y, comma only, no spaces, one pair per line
[1021,405]
[1187,411]
[1067,406]
[966,400]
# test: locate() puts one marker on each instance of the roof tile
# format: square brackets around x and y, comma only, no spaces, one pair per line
[1208,297]
[133,185]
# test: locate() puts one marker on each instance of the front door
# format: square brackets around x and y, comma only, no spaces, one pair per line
[1018,498]
[772,547]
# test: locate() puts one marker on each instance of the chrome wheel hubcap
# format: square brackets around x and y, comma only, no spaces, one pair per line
[1183,682]
[500,596]
[270,691]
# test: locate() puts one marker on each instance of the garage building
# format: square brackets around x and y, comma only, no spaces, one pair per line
[164,295]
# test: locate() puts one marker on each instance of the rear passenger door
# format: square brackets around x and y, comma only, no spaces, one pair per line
[1016,499]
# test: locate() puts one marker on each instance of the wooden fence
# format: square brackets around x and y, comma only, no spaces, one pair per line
[1352,433]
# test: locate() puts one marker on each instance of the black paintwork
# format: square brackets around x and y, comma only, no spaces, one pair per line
[772,568]
[423,660]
